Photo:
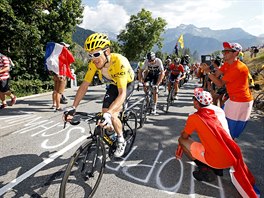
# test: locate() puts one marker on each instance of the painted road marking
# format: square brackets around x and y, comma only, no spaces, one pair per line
[40,166]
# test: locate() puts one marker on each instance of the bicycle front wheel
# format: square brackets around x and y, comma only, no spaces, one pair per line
[169,100]
[84,171]
[130,130]
[143,113]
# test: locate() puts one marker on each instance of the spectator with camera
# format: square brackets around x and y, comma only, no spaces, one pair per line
[235,77]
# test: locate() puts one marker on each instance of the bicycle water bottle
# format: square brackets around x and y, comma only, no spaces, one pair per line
[113,136]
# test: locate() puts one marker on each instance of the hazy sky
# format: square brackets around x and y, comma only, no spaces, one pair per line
[112,15]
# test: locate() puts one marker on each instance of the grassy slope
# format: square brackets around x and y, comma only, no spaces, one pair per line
[254,65]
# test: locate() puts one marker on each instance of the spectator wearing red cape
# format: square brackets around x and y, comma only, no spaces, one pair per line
[216,149]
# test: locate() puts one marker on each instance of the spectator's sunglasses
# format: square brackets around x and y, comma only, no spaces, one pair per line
[228,50]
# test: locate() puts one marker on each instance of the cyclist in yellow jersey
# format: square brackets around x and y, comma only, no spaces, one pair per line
[114,69]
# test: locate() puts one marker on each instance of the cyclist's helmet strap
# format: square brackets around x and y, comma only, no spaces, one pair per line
[151,56]
[96,40]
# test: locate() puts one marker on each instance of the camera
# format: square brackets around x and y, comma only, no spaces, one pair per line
[212,68]
[206,59]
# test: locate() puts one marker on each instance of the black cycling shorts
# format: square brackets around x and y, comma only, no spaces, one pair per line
[174,77]
[4,87]
[112,93]
[152,77]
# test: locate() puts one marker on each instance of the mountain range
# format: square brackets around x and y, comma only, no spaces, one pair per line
[202,40]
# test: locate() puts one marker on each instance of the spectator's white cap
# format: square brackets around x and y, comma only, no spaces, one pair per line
[234,46]
[202,96]
[65,44]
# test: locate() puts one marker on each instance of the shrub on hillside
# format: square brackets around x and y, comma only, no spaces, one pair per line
[30,87]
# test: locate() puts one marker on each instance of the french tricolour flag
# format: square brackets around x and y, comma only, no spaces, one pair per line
[58,59]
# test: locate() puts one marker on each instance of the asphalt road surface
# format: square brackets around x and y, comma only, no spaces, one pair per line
[35,150]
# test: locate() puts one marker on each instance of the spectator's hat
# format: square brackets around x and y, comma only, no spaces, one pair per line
[234,46]
[65,44]
[204,97]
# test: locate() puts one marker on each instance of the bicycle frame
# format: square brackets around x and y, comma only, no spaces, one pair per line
[150,95]
[170,97]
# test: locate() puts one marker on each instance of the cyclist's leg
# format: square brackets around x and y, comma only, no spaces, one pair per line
[176,86]
[147,79]
[171,79]
[110,96]
[155,92]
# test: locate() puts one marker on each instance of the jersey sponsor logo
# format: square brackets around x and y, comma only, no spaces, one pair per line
[118,74]
[122,66]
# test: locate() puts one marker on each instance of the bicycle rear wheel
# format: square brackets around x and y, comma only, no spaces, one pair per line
[130,129]
[84,171]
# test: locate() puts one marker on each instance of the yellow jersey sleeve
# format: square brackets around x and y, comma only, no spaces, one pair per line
[90,72]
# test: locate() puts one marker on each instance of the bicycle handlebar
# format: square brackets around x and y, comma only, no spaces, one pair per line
[84,116]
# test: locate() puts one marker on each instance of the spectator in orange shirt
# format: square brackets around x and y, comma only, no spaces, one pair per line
[216,149]
[235,77]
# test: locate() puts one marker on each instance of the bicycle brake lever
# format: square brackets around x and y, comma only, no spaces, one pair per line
[65,122]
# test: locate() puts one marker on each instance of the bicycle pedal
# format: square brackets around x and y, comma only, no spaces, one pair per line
[87,176]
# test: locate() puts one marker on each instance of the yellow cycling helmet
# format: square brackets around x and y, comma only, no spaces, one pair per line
[96,40]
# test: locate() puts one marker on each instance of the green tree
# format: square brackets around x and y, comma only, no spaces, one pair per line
[115,47]
[142,32]
[26,27]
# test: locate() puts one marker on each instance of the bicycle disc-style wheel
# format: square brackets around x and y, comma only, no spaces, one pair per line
[143,113]
[84,171]
[130,130]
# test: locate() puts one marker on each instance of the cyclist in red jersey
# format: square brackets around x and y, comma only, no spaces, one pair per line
[176,74]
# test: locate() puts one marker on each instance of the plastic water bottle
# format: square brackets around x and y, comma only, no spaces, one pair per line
[113,137]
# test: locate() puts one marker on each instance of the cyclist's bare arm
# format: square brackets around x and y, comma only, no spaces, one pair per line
[140,75]
[80,93]
[182,76]
[68,115]
[161,76]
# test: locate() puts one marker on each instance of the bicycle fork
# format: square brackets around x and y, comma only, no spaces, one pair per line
[90,160]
